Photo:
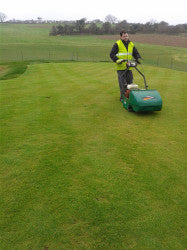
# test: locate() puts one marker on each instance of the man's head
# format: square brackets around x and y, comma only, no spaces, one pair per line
[124,35]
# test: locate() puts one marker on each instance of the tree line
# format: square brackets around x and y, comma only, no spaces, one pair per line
[109,27]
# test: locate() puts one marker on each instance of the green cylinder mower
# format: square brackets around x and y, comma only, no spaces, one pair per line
[140,100]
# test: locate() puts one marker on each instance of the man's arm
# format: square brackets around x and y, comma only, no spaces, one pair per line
[135,53]
[113,52]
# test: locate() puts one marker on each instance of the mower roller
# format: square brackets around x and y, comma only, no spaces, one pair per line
[140,100]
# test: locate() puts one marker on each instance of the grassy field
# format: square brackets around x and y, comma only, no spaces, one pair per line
[80,172]
[21,42]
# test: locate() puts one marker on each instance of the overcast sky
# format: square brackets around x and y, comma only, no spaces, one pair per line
[173,12]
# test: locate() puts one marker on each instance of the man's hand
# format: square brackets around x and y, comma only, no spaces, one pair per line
[119,61]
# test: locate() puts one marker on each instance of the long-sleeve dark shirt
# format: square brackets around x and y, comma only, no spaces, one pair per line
[114,51]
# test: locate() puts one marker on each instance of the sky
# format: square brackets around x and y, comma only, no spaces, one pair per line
[135,11]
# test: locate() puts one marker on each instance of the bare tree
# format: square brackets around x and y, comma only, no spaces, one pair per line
[2,17]
[39,19]
[111,19]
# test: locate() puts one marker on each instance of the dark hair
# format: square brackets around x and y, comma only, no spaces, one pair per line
[123,32]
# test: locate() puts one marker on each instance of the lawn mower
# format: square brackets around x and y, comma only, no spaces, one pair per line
[140,100]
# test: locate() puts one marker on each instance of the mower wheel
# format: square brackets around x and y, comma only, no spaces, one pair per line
[130,109]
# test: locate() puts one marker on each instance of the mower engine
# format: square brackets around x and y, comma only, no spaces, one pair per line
[141,100]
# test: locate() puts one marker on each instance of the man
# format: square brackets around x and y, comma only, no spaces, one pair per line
[124,49]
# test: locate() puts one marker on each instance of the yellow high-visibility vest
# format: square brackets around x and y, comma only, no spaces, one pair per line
[124,54]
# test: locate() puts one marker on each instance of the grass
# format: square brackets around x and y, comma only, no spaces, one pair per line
[3,70]
[12,69]
[80,172]
[24,42]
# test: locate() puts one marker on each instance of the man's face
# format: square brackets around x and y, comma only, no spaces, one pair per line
[125,37]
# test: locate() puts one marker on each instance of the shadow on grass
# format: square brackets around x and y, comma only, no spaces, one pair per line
[14,69]
[145,114]
[148,113]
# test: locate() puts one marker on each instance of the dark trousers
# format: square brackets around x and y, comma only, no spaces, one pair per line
[125,77]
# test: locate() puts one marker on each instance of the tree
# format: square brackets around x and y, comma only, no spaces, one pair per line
[93,29]
[2,17]
[123,25]
[152,21]
[135,27]
[39,19]
[148,27]
[53,31]
[60,30]
[96,21]
[162,27]
[69,29]
[163,23]
[80,24]
[110,19]
[107,28]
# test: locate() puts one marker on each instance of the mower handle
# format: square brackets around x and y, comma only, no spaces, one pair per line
[134,64]
[130,63]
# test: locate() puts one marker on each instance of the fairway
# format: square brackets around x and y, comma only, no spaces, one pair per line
[80,172]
